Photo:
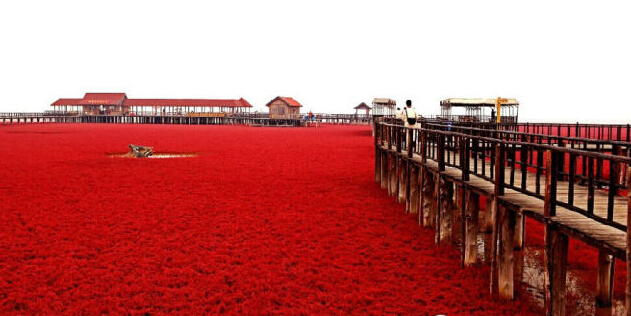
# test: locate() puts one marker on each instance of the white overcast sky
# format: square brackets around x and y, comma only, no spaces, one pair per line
[563,60]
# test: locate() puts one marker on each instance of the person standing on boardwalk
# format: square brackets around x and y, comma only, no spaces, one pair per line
[399,114]
[409,114]
[409,118]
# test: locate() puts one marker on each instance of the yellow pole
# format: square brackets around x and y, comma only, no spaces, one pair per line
[498,106]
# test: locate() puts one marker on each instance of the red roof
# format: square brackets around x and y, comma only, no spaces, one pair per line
[121,99]
[104,98]
[362,106]
[188,102]
[287,100]
[68,102]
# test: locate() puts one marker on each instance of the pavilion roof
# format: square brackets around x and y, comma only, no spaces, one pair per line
[188,102]
[66,101]
[476,102]
[362,106]
[121,99]
[287,100]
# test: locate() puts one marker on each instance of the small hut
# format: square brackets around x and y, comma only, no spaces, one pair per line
[479,110]
[284,108]
[363,107]
[383,106]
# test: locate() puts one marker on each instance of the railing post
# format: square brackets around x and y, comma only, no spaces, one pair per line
[423,146]
[464,167]
[523,163]
[383,133]
[590,185]
[389,130]
[571,176]
[613,182]
[549,203]
[465,153]
[399,134]
[441,152]
[561,160]
[498,190]
[410,142]
[500,169]
[409,174]
[627,291]
[556,245]
[377,152]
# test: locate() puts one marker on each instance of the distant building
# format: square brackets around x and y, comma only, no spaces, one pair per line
[383,106]
[362,107]
[284,108]
[479,110]
[120,104]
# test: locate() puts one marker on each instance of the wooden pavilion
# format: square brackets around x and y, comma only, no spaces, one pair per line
[363,107]
[284,108]
[383,106]
[479,110]
[120,104]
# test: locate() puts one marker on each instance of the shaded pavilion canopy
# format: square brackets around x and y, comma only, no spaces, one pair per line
[119,102]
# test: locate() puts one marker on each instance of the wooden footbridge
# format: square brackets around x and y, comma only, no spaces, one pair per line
[575,185]
[258,119]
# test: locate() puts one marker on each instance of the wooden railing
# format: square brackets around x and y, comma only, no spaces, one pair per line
[485,152]
[424,165]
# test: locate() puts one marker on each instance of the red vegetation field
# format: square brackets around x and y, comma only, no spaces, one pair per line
[263,220]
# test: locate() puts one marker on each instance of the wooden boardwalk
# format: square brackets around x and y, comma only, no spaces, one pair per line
[588,230]
[435,173]
[190,119]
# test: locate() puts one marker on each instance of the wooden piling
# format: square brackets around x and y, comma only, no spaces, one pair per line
[428,202]
[555,262]
[462,223]
[487,224]
[413,190]
[392,183]
[556,243]
[376,135]
[471,228]
[402,180]
[384,169]
[520,230]
[499,182]
[446,210]
[436,203]
[505,272]
[457,218]
[604,283]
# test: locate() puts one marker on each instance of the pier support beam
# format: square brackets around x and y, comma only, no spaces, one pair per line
[457,218]
[446,209]
[505,272]
[402,180]
[384,169]
[471,228]
[604,284]
[392,184]
[377,162]
[414,190]
[520,230]
[429,198]
[627,288]
[555,261]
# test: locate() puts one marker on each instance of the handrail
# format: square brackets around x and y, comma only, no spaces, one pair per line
[621,159]
[515,154]
[591,140]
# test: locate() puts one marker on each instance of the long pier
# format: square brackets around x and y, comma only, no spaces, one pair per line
[189,119]
[575,185]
